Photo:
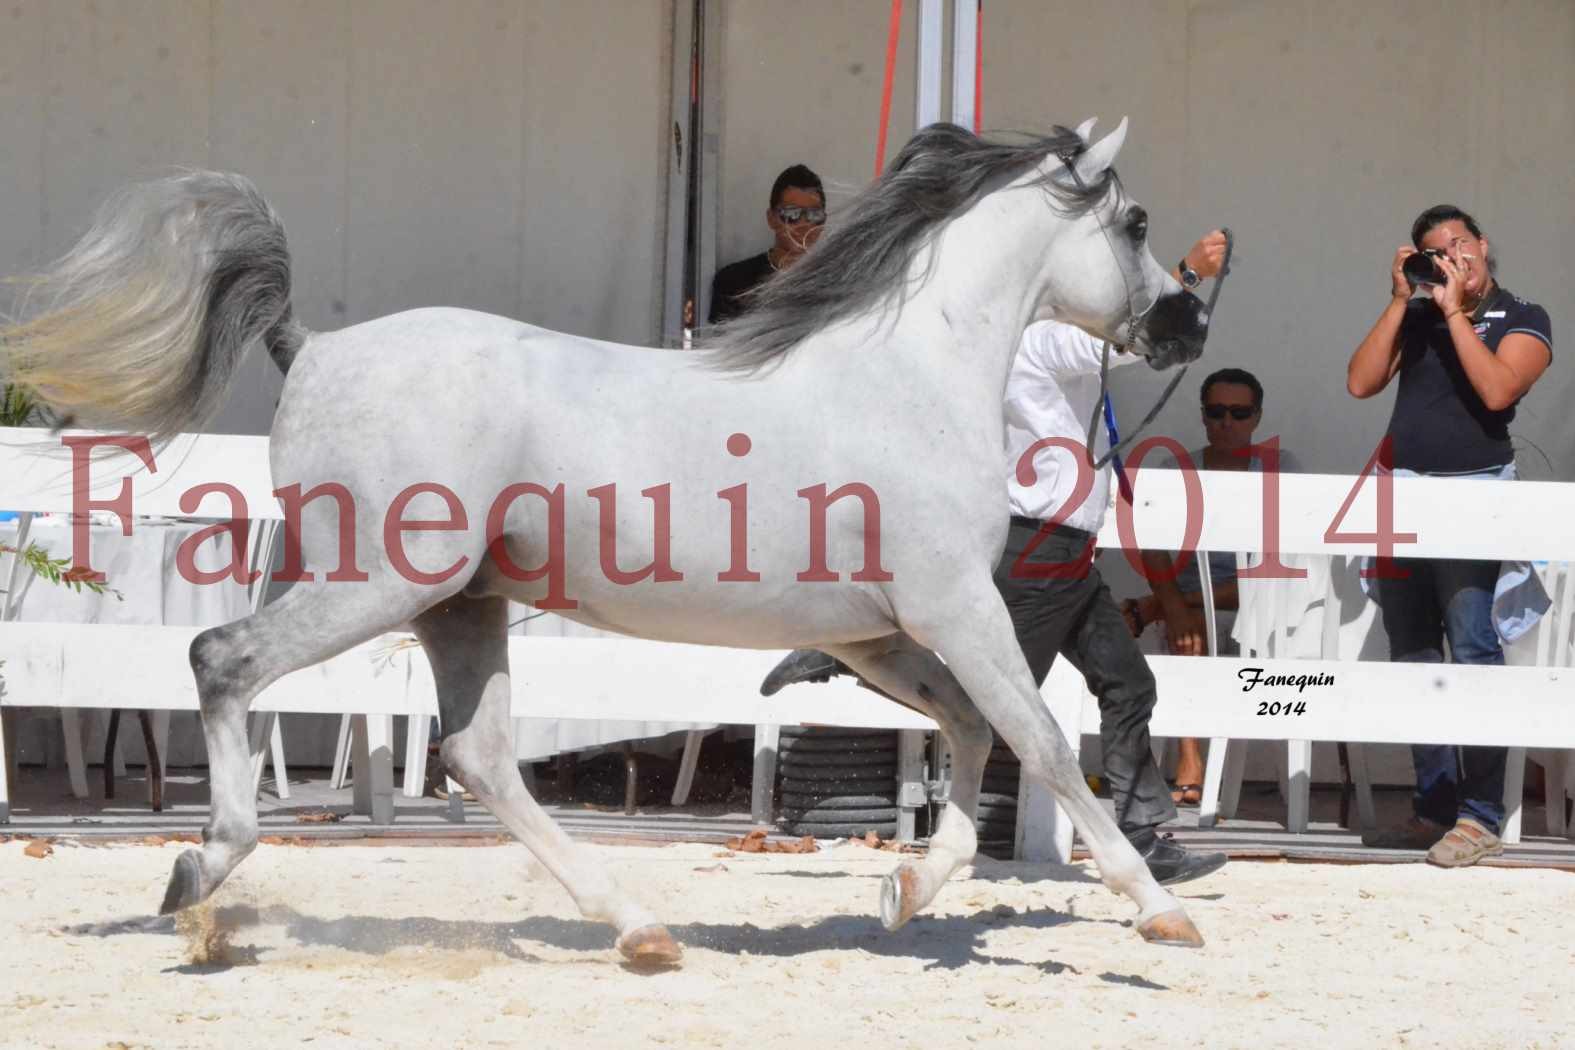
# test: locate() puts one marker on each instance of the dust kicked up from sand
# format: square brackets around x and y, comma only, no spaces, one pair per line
[207,937]
[417,947]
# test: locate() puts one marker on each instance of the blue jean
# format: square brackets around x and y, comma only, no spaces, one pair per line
[1438,600]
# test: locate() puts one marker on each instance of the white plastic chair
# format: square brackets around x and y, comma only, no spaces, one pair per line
[1559,785]
[686,765]
[1227,761]
[70,722]
[1555,648]
[70,717]
[418,731]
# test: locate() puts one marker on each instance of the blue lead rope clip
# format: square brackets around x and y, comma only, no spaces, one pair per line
[1123,483]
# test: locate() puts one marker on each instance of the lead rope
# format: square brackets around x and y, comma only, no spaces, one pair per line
[1117,446]
[1134,318]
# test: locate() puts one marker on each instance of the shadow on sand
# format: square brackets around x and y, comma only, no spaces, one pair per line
[947,942]
[984,870]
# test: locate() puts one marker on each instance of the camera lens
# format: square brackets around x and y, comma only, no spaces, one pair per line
[1421,269]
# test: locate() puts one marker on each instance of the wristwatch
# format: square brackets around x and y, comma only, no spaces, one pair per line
[1189,276]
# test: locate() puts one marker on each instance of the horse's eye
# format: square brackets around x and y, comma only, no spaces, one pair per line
[1137,225]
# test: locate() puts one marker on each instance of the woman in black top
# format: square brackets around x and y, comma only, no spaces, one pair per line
[1466,352]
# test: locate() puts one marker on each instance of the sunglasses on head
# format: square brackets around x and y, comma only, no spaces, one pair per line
[1238,412]
[793,215]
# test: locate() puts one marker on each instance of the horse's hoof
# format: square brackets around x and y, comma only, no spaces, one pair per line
[1172,929]
[185,888]
[899,897]
[650,946]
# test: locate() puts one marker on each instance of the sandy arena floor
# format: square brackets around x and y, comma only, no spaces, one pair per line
[475,946]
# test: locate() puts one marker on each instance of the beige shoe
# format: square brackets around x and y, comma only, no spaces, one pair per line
[441,791]
[1416,833]
[1464,844]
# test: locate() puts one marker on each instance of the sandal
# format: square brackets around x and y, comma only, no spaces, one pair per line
[437,778]
[1187,794]
[1464,844]
[441,791]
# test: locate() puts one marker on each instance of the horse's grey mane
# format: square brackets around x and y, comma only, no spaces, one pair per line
[861,261]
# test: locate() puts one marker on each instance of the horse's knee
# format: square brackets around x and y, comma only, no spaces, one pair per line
[221,665]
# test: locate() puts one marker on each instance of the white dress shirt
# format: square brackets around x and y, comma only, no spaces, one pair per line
[1052,391]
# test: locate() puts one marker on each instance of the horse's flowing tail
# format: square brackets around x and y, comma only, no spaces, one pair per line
[141,325]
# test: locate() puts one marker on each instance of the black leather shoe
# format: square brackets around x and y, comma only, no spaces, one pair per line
[802,665]
[1170,863]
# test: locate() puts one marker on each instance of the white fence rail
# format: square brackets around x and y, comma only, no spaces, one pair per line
[146,667]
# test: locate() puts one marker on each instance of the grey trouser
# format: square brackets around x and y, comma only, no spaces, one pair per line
[1073,614]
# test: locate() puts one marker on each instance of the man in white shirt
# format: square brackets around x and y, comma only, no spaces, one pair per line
[1057,600]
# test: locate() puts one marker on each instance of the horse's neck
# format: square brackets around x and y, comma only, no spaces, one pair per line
[976,289]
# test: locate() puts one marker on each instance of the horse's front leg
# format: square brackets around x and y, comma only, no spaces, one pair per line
[912,674]
[973,633]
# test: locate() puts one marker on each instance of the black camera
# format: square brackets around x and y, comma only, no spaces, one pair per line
[1420,268]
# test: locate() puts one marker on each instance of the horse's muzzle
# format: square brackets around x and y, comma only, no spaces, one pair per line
[1174,331]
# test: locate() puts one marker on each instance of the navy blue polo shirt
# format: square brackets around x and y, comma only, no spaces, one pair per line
[1440,425]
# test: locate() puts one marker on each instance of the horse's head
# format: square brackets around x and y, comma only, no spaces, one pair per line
[1102,276]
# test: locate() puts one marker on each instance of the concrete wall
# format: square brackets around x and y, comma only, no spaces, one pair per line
[508,154]
[1316,130]
[504,155]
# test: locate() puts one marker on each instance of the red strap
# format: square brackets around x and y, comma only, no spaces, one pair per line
[892,36]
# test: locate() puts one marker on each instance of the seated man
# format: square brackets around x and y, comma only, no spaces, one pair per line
[1052,391]
[796,216]
[1232,408]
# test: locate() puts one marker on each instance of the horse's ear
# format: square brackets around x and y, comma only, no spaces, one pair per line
[1085,129]
[1093,162]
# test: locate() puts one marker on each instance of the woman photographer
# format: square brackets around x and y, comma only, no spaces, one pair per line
[1465,353]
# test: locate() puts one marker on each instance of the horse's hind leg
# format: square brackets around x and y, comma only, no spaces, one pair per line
[915,676]
[466,641]
[234,663]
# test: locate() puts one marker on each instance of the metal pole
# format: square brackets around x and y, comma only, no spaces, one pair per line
[674,321]
[965,49]
[929,67]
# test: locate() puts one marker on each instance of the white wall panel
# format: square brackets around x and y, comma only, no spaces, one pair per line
[436,103]
[595,128]
[508,154]
[126,97]
[22,33]
[281,117]
[801,83]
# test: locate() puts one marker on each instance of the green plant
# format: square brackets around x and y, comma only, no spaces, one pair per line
[59,571]
[17,409]
[18,406]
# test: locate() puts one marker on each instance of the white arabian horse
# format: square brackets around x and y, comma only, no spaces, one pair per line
[546,465]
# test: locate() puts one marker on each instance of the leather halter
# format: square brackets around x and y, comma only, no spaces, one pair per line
[1134,320]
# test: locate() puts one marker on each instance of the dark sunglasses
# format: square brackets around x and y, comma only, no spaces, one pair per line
[1238,412]
[793,215]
